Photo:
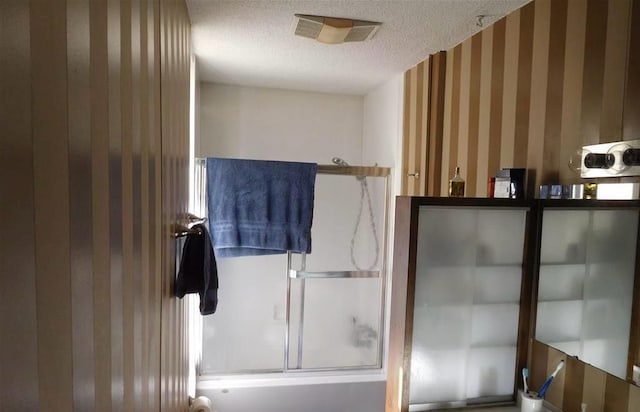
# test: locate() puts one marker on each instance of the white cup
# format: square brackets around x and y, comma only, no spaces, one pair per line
[530,402]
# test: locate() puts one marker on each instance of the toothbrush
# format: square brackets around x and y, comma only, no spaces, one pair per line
[525,375]
[547,383]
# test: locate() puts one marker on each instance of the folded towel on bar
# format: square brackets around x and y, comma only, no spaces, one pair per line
[198,270]
[260,207]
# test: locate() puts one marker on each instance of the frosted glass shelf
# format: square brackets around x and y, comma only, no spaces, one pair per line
[506,302]
[583,262]
[471,304]
[517,265]
[490,346]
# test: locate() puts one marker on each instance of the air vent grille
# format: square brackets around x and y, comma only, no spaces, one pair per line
[361,33]
[308,27]
[334,30]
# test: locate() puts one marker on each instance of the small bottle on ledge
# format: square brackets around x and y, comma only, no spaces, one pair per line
[456,185]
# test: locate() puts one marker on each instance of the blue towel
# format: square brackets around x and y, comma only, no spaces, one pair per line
[259,207]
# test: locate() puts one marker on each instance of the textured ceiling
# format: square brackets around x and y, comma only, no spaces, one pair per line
[251,42]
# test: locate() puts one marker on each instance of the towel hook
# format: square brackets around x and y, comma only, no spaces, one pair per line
[182,230]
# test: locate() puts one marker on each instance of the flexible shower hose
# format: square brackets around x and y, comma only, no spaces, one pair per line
[364,192]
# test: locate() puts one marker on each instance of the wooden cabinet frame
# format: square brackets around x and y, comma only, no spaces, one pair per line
[404,276]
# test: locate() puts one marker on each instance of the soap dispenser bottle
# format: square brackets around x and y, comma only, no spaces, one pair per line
[456,184]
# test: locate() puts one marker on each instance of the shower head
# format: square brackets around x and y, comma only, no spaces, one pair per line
[339,161]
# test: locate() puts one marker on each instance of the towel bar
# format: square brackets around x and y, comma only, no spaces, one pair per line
[336,274]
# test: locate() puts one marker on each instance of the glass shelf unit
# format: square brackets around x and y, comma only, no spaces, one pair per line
[463,339]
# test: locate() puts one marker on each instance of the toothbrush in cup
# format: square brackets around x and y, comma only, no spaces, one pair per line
[547,383]
[525,375]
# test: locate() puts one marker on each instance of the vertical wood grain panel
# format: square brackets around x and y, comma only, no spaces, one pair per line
[616,395]
[447,122]
[423,137]
[615,58]
[497,96]
[538,367]
[100,204]
[51,198]
[81,83]
[594,63]
[80,197]
[436,122]
[175,56]
[406,124]
[461,156]
[525,85]
[115,206]
[17,241]
[168,169]
[510,87]
[631,117]
[418,105]
[634,398]
[414,92]
[157,233]
[455,117]
[145,206]
[166,185]
[574,378]
[126,113]
[558,69]
[555,394]
[136,211]
[593,388]
[570,130]
[553,105]
[539,81]
[474,115]
[484,111]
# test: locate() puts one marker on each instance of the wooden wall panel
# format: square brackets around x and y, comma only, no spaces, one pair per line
[416,126]
[437,74]
[18,355]
[51,200]
[552,77]
[581,383]
[495,72]
[631,115]
[545,85]
[571,126]
[94,172]
[174,79]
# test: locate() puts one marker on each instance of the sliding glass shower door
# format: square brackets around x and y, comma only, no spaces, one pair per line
[323,311]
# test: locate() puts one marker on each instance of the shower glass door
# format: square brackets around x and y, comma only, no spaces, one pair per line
[321,312]
[336,292]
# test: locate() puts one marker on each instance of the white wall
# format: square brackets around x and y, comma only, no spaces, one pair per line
[273,124]
[382,144]
[257,123]
[382,126]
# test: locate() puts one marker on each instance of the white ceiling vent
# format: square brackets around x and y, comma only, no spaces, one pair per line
[332,30]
